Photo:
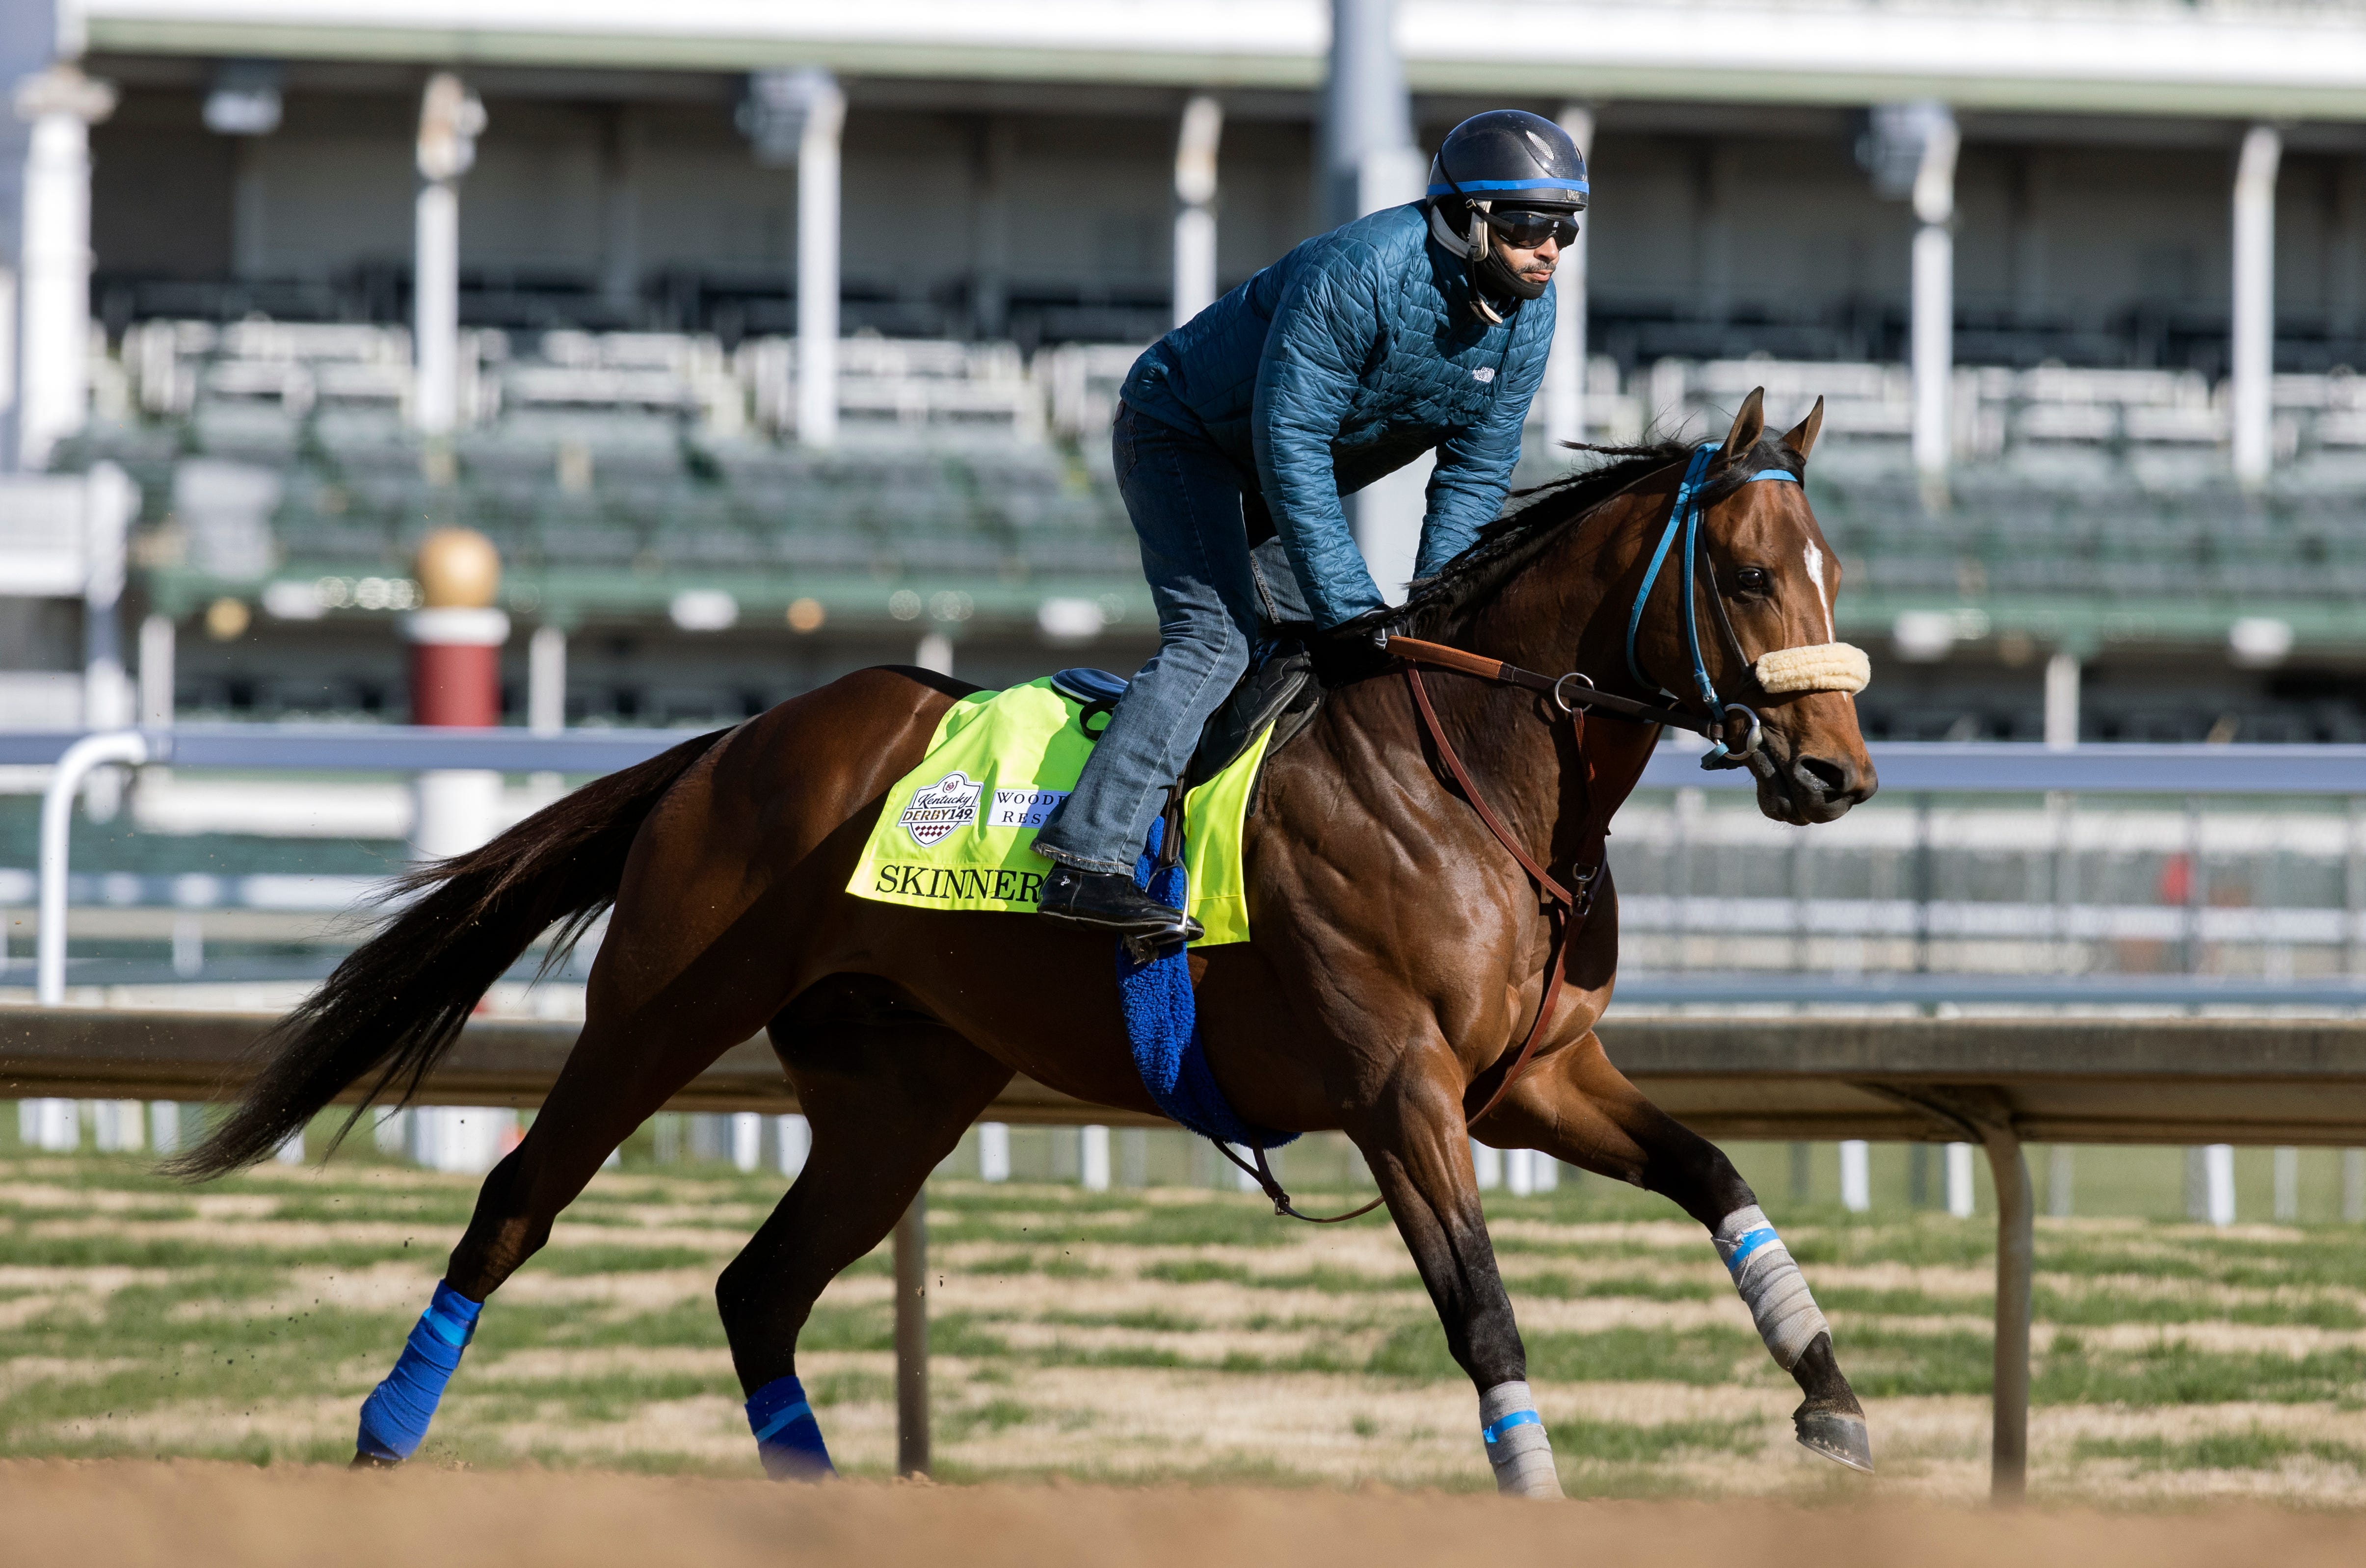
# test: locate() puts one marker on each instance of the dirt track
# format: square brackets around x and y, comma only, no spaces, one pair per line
[198,1514]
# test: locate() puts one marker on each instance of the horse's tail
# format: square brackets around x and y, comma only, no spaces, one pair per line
[398,1001]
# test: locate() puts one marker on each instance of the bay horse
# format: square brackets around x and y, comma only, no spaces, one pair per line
[1400,948]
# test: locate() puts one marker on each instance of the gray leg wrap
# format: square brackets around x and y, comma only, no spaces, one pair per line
[1770,1283]
[1516,1444]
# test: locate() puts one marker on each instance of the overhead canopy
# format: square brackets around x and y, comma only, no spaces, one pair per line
[2232,60]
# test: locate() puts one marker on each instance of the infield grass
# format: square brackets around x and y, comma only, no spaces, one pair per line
[1173,1332]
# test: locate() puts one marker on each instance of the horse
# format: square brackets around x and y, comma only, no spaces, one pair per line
[1402,943]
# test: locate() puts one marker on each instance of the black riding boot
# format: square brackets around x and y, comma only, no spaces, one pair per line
[1107,900]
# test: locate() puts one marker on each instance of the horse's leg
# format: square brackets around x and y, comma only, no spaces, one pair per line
[1413,1138]
[622,1070]
[887,1103]
[1575,1106]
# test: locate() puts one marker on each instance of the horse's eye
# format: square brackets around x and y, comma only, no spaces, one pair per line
[1752,579]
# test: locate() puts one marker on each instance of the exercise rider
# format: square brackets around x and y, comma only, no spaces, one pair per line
[1419,328]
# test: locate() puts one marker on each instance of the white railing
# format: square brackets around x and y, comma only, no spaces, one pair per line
[1917,769]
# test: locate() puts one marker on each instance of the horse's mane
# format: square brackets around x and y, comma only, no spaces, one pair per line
[1537,515]
[1506,545]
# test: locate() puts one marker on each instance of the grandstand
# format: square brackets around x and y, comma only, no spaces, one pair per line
[2094,467]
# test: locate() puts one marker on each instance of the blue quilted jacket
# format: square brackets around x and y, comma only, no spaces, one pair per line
[1342,361]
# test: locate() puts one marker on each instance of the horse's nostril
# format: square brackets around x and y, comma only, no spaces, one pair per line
[1830,777]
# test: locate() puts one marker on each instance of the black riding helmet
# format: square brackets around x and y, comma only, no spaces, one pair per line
[1517,173]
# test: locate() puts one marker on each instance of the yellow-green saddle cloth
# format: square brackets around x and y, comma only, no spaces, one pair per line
[958,832]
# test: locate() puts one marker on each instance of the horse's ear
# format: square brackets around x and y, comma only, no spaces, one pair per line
[1748,426]
[1804,437]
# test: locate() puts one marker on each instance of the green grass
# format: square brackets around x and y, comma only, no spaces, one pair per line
[2251,1449]
[133,1323]
[1611,1442]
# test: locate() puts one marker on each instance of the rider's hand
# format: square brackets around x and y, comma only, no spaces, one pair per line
[1350,653]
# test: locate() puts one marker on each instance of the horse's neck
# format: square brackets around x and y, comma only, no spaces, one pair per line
[1562,611]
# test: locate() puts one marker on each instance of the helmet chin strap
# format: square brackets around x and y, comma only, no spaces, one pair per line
[1476,248]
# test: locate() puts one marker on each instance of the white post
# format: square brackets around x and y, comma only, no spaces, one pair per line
[156,640]
[994,1151]
[1488,1164]
[2287,1162]
[2254,303]
[747,1140]
[450,118]
[935,653]
[2061,1167]
[435,308]
[1856,1175]
[1195,212]
[126,746]
[62,105]
[1094,1161]
[546,681]
[1367,153]
[817,246]
[453,809]
[2219,1176]
[110,502]
[792,1143]
[1934,292]
[165,1127]
[2062,702]
[1565,370]
[1959,1179]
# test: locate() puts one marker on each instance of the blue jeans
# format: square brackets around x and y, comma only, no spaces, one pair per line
[1214,595]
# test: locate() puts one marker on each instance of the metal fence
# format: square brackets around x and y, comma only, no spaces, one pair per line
[1982,873]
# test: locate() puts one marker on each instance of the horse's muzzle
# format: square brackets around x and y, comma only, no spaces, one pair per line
[1823,787]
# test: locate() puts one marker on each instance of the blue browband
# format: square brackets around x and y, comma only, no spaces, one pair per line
[1685,518]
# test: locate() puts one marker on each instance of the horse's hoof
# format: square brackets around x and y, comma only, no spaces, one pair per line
[1839,1435]
[372,1462]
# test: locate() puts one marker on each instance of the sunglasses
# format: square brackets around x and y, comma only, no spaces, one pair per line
[1527,228]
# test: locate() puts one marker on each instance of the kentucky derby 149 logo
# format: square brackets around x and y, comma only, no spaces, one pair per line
[937,808]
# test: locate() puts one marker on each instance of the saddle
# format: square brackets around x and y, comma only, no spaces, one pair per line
[1280,689]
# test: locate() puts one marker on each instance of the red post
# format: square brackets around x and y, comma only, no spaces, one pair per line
[456,681]
[456,641]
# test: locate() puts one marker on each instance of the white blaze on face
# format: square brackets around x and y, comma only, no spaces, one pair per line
[1823,593]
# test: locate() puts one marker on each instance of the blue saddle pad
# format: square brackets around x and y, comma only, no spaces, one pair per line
[1162,1023]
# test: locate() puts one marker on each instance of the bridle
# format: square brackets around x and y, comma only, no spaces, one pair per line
[1569,904]
[1685,518]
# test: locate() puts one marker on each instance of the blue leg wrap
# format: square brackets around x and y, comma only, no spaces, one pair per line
[788,1438]
[395,1416]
